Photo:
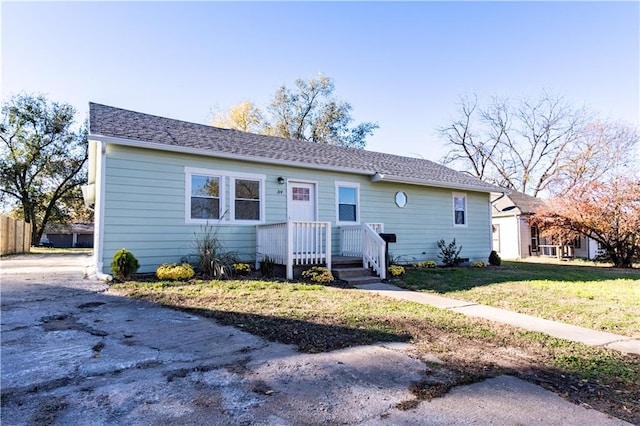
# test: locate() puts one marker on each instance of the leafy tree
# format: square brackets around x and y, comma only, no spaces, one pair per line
[308,112]
[535,146]
[245,116]
[42,162]
[608,212]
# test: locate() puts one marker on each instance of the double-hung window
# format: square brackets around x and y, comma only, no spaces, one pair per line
[347,200]
[246,199]
[227,196]
[205,198]
[535,239]
[459,209]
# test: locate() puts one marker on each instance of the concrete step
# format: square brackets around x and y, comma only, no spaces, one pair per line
[355,281]
[346,262]
[343,273]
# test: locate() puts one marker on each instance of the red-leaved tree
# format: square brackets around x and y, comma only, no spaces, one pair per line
[607,212]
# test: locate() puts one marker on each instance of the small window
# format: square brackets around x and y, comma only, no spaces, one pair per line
[535,239]
[496,237]
[300,194]
[247,199]
[459,209]
[205,197]
[348,199]
[577,243]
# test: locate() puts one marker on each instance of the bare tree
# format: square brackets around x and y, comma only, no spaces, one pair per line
[535,146]
[603,151]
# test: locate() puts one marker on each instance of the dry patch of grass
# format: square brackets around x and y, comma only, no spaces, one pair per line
[319,318]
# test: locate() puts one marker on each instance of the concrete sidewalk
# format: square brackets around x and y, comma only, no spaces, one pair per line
[528,322]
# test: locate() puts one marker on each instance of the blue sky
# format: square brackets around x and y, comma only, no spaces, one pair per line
[402,65]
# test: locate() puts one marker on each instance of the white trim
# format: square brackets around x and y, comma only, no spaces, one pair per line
[455,195]
[194,171]
[265,160]
[343,184]
[293,181]
[224,176]
[99,209]
[423,182]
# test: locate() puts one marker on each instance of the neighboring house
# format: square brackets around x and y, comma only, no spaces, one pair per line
[515,238]
[67,236]
[156,182]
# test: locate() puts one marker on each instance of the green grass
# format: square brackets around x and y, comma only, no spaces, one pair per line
[604,299]
[55,250]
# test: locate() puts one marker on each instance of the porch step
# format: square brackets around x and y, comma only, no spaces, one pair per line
[354,281]
[349,269]
[353,275]
[346,262]
[351,272]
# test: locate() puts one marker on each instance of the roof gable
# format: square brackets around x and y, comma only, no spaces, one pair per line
[128,127]
[526,203]
[517,203]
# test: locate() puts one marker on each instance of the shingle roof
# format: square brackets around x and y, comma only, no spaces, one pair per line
[526,203]
[129,126]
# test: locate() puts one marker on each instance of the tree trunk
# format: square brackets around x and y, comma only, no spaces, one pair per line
[621,260]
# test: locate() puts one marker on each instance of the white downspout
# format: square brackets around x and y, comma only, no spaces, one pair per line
[491,205]
[519,227]
[98,241]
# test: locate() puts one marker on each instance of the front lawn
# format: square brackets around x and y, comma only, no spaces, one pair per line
[605,299]
[322,318]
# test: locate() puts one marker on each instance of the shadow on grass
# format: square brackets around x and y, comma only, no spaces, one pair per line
[455,369]
[308,336]
[445,280]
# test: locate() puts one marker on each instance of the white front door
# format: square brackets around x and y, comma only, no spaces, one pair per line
[301,206]
[301,201]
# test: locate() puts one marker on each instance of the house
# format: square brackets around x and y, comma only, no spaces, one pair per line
[156,182]
[515,238]
[67,236]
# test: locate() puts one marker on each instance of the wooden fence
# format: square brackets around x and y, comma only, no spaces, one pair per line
[15,236]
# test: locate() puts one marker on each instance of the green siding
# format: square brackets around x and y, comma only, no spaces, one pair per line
[427,218]
[145,209]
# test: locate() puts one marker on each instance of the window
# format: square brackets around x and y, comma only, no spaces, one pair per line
[459,209]
[300,194]
[246,199]
[535,239]
[347,200]
[204,197]
[207,192]
[577,243]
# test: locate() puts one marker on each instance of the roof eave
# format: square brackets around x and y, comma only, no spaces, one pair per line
[219,154]
[377,177]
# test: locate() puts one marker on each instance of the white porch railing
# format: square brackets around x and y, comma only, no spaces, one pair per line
[550,250]
[294,243]
[363,240]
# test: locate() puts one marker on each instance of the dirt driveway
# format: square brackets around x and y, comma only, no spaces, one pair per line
[72,354]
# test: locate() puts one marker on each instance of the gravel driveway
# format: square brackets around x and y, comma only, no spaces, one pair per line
[72,354]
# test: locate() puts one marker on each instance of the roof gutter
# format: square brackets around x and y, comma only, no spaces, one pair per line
[379,177]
